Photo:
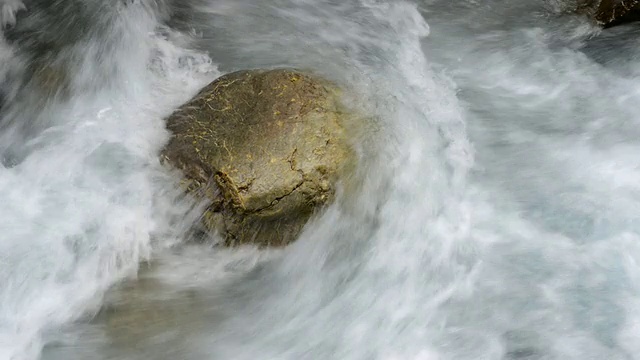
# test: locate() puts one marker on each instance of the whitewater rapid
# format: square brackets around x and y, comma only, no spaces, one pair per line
[493,215]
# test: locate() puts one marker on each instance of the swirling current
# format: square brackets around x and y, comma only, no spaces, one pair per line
[494,213]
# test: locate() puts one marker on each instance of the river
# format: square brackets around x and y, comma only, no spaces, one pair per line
[494,214]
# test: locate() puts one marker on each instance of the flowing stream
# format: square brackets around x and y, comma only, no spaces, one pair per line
[494,214]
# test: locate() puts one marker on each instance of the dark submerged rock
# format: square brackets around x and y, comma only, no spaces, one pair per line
[611,12]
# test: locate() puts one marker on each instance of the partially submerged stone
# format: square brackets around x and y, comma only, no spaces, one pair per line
[137,311]
[610,12]
[265,148]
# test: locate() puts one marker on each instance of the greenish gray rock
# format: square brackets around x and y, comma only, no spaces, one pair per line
[266,149]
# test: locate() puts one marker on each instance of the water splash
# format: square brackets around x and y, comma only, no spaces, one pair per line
[82,198]
[492,215]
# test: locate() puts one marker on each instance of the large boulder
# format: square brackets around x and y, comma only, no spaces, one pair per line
[265,148]
[611,12]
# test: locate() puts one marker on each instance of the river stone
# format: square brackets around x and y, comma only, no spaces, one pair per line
[611,12]
[138,311]
[265,147]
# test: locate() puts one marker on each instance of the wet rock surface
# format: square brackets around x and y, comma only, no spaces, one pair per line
[265,148]
[611,12]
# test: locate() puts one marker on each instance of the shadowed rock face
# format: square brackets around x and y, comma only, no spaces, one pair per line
[611,12]
[265,148]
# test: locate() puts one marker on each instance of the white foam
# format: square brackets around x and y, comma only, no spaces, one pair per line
[493,216]
[79,210]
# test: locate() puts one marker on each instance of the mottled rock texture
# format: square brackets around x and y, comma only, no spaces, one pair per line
[265,148]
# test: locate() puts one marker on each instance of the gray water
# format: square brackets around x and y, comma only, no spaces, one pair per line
[494,213]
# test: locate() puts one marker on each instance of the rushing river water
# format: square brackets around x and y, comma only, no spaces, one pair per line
[495,213]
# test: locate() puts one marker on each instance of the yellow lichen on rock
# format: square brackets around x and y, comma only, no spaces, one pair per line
[269,146]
